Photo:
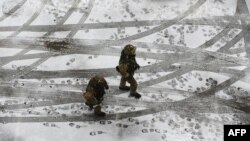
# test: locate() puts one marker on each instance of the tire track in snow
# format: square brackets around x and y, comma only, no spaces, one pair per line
[230,82]
[33,17]
[166,25]
[13,10]
[20,29]
[82,19]
[183,112]
[140,35]
[183,102]
[243,9]
[40,61]
[124,24]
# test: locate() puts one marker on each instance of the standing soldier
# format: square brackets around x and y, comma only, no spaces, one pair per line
[94,94]
[127,67]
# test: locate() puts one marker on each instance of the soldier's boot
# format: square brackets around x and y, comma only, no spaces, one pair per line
[133,92]
[90,106]
[98,111]
[123,86]
[136,95]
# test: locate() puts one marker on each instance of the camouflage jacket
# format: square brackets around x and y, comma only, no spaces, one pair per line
[97,85]
[128,65]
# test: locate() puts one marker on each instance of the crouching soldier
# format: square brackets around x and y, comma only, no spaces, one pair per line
[94,94]
[127,67]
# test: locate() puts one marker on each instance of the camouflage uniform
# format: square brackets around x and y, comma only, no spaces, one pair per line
[94,93]
[127,67]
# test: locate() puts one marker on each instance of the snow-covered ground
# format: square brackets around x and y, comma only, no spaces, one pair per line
[194,75]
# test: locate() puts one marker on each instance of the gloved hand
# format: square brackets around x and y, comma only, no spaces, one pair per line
[137,66]
[117,69]
[127,75]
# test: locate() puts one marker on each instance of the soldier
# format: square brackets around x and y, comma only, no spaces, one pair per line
[127,67]
[94,94]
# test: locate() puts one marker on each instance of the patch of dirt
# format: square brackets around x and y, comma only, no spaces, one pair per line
[57,45]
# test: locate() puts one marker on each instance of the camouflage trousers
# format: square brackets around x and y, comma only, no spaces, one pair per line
[91,100]
[131,80]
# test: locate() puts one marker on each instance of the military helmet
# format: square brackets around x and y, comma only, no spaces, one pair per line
[129,49]
[99,79]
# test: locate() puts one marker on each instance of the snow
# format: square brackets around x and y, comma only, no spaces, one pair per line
[35,51]
[110,33]
[215,8]
[237,67]
[74,18]
[75,109]
[248,3]
[1,7]
[140,77]
[9,51]
[62,34]
[14,100]
[240,55]
[194,81]
[243,85]
[223,95]
[183,35]
[164,125]
[157,115]
[19,63]
[4,34]
[137,10]
[239,44]
[148,49]
[223,41]
[54,81]
[78,61]
[53,12]
[163,96]
[21,15]
[31,34]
